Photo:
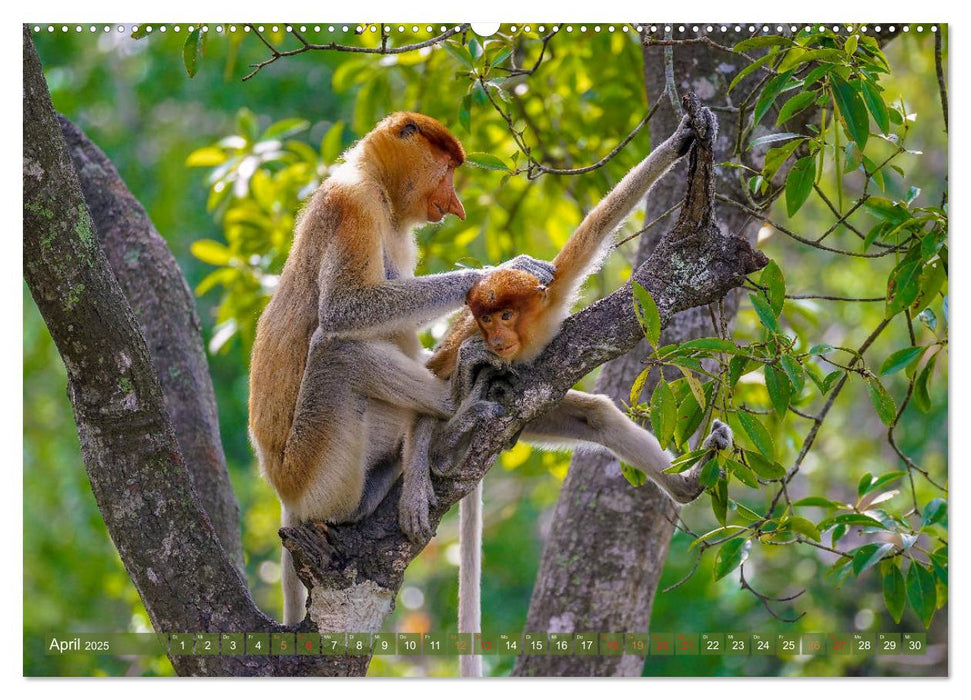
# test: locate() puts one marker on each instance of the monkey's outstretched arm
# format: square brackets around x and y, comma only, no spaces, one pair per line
[585,249]
[403,303]
[392,305]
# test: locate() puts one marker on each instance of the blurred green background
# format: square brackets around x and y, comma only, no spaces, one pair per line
[134,99]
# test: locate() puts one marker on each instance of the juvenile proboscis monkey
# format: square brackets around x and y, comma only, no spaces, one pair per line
[338,375]
[517,315]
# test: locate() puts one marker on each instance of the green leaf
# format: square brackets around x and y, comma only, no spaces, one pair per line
[777,156]
[713,344]
[689,416]
[879,482]
[647,313]
[503,54]
[765,313]
[852,519]
[779,388]
[767,469]
[192,51]
[868,555]
[795,372]
[460,53]
[750,68]
[719,500]
[852,110]
[876,105]
[207,157]
[709,474]
[330,145]
[921,592]
[903,286]
[634,476]
[932,278]
[730,556]
[759,435]
[664,412]
[817,501]
[770,92]
[934,512]
[211,252]
[773,138]
[761,42]
[638,386]
[850,45]
[285,128]
[900,359]
[742,473]
[804,527]
[799,183]
[686,461]
[794,105]
[140,32]
[922,397]
[486,161]
[884,209]
[775,281]
[465,113]
[821,349]
[881,399]
[894,591]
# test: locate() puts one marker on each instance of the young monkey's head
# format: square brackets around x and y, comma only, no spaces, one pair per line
[507,305]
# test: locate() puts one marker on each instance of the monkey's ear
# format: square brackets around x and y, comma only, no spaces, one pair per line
[407,130]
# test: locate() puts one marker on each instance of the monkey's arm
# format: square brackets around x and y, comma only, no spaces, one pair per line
[585,249]
[392,305]
[351,308]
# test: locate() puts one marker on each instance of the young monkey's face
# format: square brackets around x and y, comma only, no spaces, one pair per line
[500,330]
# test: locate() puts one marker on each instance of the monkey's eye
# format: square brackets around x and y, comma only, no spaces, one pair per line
[486,319]
[407,130]
[507,315]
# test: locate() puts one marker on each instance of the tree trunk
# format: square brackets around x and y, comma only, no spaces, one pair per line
[166,315]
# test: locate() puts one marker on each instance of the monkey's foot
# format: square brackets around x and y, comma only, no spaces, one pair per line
[689,487]
[450,446]
[417,497]
[720,437]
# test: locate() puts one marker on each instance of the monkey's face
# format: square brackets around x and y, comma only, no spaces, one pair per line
[443,199]
[501,332]
[418,157]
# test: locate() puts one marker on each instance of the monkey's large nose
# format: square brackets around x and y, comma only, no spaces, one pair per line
[455,207]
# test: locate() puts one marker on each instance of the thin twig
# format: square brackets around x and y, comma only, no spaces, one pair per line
[276,54]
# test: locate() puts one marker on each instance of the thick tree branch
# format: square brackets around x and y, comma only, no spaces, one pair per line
[166,314]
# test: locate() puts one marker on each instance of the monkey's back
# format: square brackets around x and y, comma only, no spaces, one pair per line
[283,336]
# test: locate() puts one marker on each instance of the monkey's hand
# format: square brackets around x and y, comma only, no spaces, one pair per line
[540,269]
[475,367]
[417,497]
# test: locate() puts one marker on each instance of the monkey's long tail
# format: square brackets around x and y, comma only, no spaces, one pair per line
[294,592]
[470,577]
